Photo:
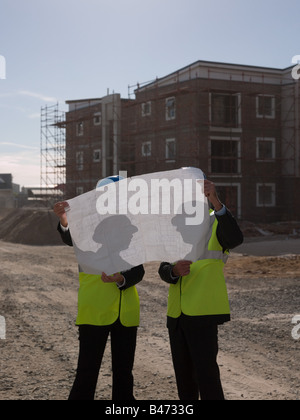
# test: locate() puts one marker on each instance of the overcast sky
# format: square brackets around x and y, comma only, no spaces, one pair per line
[72,49]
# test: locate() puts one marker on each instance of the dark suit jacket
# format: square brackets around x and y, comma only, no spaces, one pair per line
[132,277]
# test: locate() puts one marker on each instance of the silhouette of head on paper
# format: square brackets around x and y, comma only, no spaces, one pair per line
[115,234]
[189,223]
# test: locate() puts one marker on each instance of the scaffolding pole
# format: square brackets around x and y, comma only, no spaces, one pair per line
[53,154]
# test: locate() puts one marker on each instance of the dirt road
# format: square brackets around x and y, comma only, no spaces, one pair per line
[259,359]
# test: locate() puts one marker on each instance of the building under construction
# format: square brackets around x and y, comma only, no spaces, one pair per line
[239,124]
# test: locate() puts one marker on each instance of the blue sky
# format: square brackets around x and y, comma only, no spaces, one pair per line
[70,49]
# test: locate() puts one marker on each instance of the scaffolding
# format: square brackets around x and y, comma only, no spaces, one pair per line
[239,124]
[53,154]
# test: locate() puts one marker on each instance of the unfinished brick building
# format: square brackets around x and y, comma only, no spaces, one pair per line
[239,124]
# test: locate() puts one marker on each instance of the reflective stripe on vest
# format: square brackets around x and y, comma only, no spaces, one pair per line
[203,292]
[102,303]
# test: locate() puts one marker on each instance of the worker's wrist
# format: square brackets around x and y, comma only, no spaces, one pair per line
[218,206]
[64,222]
[122,282]
[64,228]
[174,274]
[221,212]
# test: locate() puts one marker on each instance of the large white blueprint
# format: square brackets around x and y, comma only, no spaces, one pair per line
[155,217]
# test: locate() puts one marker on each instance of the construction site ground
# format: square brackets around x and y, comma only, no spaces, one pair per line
[259,358]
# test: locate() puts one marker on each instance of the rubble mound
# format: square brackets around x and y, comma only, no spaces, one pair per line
[29,227]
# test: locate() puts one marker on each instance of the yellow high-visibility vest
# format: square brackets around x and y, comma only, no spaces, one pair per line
[203,292]
[102,303]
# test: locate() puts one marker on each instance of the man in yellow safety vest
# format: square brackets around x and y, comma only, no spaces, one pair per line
[198,303]
[106,305]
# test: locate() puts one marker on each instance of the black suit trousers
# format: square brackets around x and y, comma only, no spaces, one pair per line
[194,351]
[93,341]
